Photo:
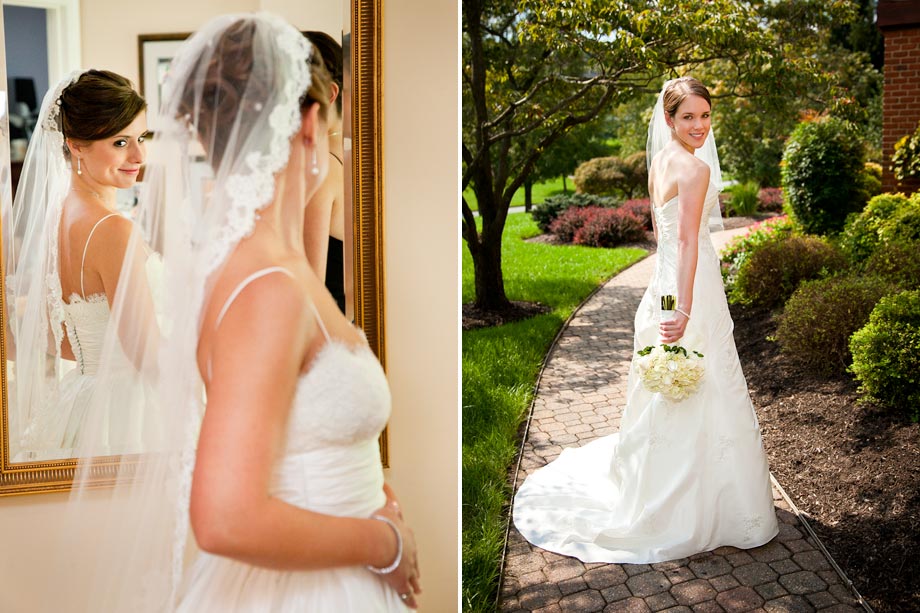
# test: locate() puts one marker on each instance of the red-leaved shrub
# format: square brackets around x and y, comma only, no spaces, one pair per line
[609,228]
[641,208]
[571,220]
[771,200]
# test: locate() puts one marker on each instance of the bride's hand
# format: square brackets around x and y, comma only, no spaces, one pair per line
[673,329]
[405,579]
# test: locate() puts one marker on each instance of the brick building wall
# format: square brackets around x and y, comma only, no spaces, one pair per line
[899,21]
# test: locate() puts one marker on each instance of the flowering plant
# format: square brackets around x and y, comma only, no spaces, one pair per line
[670,370]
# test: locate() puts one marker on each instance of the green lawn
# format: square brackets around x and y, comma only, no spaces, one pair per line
[500,367]
[541,191]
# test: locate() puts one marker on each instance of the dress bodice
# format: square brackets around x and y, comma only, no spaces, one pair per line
[330,462]
[85,321]
[666,222]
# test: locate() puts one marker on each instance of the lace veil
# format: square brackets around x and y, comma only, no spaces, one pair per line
[212,165]
[35,311]
[659,135]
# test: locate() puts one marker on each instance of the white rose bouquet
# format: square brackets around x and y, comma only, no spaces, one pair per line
[670,370]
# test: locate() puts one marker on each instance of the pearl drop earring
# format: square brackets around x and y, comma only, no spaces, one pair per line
[315,169]
[79,169]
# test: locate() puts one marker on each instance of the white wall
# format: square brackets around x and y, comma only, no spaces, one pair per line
[421,164]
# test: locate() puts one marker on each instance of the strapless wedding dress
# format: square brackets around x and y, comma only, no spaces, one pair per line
[679,477]
[330,463]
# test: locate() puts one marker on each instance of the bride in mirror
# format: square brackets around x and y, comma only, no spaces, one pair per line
[64,259]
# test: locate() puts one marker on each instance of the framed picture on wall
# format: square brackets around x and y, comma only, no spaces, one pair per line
[156,52]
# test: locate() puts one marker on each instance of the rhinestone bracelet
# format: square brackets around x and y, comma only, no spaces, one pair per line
[399,548]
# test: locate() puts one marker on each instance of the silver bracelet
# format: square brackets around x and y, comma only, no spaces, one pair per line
[683,312]
[399,548]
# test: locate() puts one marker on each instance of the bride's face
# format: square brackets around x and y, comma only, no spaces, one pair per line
[691,122]
[116,161]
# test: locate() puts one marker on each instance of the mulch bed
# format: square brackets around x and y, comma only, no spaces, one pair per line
[853,467]
[474,317]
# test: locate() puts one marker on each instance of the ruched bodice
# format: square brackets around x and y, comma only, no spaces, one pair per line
[331,460]
[85,322]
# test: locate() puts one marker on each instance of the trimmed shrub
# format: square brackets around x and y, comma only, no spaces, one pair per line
[740,248]
[547,211]
[744,199]
[600,175]
[886,353]
[822,173]
[771,199]
[861,236]
[818,320]
[609,228]
[566,225]
[774,271]
[613,175]
[897,263]
[641,208]
[906,159]
[904,225]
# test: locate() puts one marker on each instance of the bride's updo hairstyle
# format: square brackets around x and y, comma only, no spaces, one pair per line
[98,105]
[226,80]
[678,90]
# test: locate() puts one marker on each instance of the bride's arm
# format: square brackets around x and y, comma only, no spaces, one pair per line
[691,196]
[256,355]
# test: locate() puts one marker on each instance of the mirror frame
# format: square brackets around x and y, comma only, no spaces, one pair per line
[366,206]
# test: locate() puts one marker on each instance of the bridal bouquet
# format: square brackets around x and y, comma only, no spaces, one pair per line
[670,370]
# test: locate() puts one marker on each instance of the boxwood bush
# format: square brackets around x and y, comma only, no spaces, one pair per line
[861,236]
[816,324]
[823,174]
[897,262]
[886,353]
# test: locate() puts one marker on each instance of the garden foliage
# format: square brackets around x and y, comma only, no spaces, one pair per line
[886,353]
[815,326]
[774,270]
[824,174]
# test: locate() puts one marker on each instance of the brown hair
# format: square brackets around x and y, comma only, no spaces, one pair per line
[678,90]
[98,105]
[229,75]
[331,52]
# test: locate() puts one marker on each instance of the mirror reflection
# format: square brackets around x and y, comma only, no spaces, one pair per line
[78,142]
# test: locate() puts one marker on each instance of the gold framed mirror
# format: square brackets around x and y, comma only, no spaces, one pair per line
[364,265]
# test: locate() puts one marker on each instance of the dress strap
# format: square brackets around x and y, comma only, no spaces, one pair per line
[319,320]
[86,248]
[239,288]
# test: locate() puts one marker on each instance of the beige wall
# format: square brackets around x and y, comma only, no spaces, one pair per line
[421,163]
[421,149]
[110,28]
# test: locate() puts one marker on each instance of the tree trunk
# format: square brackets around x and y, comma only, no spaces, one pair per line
[565,189]
[528,195]
[487,266]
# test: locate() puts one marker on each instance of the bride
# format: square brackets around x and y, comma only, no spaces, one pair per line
[270,402]
[680,477]
[64,260]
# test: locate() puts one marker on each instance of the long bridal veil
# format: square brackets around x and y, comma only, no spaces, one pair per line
[231,107]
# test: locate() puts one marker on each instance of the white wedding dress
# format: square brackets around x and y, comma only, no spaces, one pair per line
[678,478]
[330,464]
[59,427]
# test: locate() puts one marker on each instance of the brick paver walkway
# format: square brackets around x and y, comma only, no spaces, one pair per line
[576,402]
